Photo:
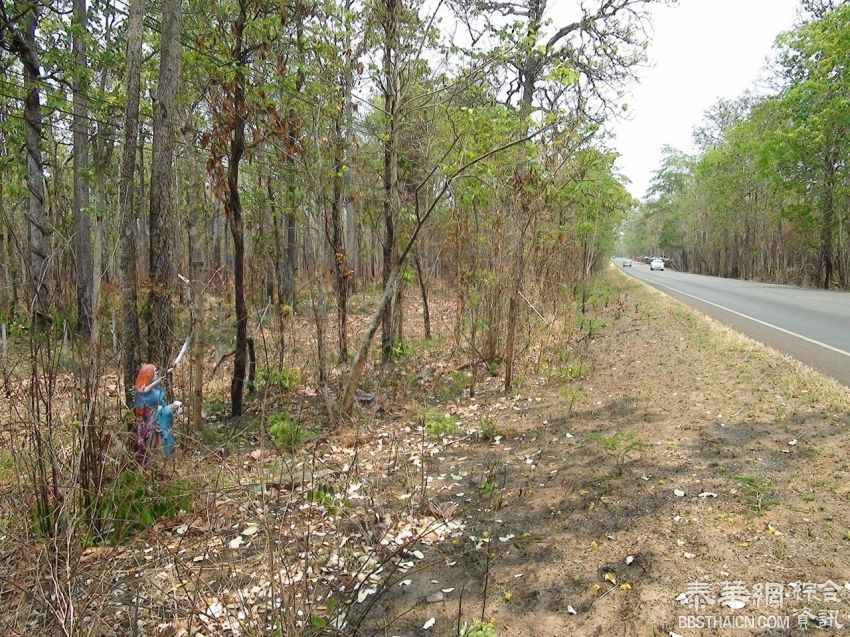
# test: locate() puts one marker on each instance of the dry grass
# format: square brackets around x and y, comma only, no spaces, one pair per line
[525,513]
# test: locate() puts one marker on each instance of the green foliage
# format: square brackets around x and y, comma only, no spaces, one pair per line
[599,293]
[566,372]
[590,325]
[135,501]
[760,494]
[287,433]
[438,424]
[479,628]
[488,429]
[571,396]
[619,445]
[325,496]
[487,488]
[451,387]
[401,348]
[15,326]
[286,378]
[769,174]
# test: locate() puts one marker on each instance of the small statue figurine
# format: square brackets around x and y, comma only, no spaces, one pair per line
[153,415]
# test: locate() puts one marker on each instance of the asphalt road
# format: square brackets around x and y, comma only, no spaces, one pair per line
[811,325]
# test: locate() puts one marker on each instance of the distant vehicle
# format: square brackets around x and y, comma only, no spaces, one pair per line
[627,263]
[656,264]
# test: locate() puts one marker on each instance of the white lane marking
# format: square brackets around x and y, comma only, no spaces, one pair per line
[755,320]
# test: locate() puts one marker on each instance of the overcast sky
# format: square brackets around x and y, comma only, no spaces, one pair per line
[701,50]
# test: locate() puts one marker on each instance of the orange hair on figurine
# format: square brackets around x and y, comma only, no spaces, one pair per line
[147,373]
[145,377]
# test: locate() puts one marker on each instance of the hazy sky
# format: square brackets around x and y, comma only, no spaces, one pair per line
[701,50]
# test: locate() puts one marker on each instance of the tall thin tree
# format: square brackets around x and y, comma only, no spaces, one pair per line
[22,42]
[162,218]
[80,203]
[127,211]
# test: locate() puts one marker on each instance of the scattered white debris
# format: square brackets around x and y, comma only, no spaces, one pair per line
[707,494]
[429,624]
[630,559]
[678,493]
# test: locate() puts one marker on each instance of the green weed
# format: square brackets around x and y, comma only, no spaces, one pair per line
[134,502]
[759,494]
[451,387]
[619,445]
[479,629]
[287,433]
[286,378]
[488,429]
[438,424]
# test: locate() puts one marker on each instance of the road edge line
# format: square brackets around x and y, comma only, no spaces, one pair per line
[749,318]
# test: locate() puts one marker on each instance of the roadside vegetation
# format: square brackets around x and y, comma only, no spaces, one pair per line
[766,195]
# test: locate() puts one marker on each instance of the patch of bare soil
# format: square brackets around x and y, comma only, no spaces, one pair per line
[734,493]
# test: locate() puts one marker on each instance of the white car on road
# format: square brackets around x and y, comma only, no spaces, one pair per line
[656,264]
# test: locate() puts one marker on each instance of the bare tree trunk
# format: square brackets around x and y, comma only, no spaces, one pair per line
[11,271]
[268,255]
[828,207]
[423,288]
[141,230]
[280,254]
[198,274]
[510,338]
[347,139]
[24,45]
[162,219]
[103,147]
[289,262]
[513,306]
[389,328]
[234,213]
[82,226]
[217,239]
[130,336]
[337,242]
[359,362]
[103,264]
[5,260]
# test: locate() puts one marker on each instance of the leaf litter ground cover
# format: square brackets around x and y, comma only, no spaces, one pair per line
[683,455]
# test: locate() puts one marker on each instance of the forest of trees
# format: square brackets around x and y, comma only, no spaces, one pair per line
[191,175]
[766,197]
[287,153]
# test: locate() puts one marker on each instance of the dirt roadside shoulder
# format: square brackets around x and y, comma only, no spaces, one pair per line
[689,472]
